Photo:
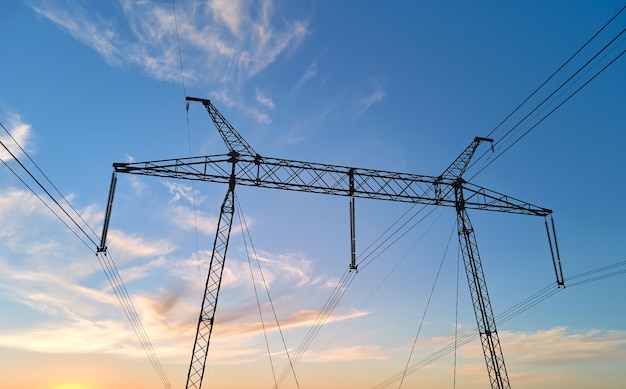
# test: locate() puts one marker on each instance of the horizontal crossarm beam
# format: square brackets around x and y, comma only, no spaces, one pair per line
[330,179]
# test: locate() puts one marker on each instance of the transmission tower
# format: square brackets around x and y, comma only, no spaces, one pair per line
[243,166]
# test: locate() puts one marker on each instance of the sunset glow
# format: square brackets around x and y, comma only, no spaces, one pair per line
[363,87]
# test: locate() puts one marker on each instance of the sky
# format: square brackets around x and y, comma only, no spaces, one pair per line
[403,87]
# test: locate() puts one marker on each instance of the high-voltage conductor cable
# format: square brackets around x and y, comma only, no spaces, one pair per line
[588,62]
[90,247]
[391,270]
[258,303]
[348,276]
[555,73]
[456,314]
[242,222]
[340,288]
[193,187]
[106,263]
[430,296]
[621,266]
[49,181]
[180,53]
[524,305]
[119,288]
[398,233]
[549,113]
[42,187]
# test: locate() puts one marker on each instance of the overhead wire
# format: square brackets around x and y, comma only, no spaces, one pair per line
[323,315]
[81,229]
[522,306]
[555,72]
[388,238]
[392,270]
[42,187]
[385,242]
[258,303]
[546,101]
[541,106]
[430,296]
[193,187]
[544,294]
[370,254]
[126,302]
[335,297]
[456,314]
[46,203]
[47,179]
[242,222]
[548,114]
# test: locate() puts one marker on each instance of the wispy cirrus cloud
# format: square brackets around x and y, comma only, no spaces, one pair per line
[181,191]
[264,100]
[309,73]
[221,44]
[365,102]
[221,41]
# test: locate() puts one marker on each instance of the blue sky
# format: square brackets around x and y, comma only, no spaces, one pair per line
[402,87]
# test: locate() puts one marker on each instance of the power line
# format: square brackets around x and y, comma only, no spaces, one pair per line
[551,98]
[369,255]
[193,187]
[242,221]
[430,296]
[555,72]
[79,227]
[524,305]
[50,196]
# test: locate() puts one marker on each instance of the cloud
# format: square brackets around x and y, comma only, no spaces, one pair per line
[264,100]
[190,220]
[259,116]
[561,345]
[135,183]
[293,270]
[228,12]
[17,138]
[84,336]
[55,294]
[531,351]
[220,41]
[129,247]
[182,191]
[309,73]
[67,289]
[31,234]
[232,327]
[224,97]
[97,34]
[374,97]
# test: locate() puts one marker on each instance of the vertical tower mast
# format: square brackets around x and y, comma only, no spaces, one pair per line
[496,369]
[212,287]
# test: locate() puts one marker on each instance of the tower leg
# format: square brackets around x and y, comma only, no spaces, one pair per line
[489,339]
[211,292]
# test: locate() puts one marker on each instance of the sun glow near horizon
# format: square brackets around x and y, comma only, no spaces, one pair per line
[70,385]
